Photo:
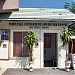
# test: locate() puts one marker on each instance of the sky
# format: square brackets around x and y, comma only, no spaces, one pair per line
[43,3]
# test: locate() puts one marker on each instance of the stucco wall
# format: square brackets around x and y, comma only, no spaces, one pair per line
[38,51]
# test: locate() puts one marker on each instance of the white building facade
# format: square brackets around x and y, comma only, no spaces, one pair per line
[47,23]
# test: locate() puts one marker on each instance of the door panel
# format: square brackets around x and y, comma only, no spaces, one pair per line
[17,43]
[50,49]
[47,40]
[25,50]
[17,50]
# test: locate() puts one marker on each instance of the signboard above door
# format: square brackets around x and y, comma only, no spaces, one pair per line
[9,5]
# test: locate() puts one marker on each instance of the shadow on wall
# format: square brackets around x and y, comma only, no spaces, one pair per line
[61,49]
[2,4]
[22,62]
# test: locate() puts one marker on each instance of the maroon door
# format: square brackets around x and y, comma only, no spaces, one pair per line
[74,46]
[17,41]
[70,47]
[50,49]
[19,47]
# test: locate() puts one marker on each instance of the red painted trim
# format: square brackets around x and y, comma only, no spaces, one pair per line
[4,59]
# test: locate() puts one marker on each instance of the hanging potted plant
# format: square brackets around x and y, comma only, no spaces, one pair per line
[65,36]
[30,41]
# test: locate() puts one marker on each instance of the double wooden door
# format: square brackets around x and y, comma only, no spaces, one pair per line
[19,48]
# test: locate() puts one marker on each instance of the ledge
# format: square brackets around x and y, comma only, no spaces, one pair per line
[2,70]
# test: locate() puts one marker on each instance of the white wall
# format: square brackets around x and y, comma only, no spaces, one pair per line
[38,52]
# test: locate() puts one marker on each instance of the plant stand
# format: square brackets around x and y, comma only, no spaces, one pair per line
[67,65]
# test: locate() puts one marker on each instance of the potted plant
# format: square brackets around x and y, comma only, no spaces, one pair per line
[30,41]
[65,36]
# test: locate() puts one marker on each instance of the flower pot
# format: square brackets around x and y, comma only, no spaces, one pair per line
[30,66]
[67,65]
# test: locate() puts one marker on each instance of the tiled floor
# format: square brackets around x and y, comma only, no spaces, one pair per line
[38,72]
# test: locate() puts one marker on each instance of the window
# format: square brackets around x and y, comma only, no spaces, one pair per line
[4,34]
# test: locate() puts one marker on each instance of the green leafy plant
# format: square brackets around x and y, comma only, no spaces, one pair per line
[65,36]
[30,41]
[70,7]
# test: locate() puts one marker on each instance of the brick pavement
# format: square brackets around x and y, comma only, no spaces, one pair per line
[38,72]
